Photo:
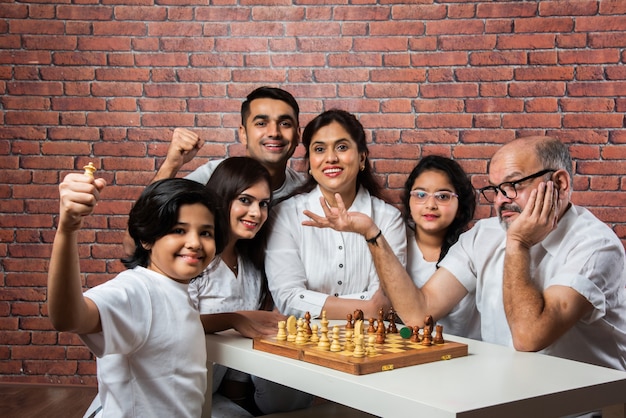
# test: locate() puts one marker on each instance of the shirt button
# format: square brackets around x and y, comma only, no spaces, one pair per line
[336,295]
[339,282]
[340,266]
[362,297]
[301,296]
[341,247]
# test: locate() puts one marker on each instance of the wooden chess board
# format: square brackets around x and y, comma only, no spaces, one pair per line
[394,353]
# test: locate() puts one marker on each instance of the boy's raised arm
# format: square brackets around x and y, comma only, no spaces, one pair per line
[68,309]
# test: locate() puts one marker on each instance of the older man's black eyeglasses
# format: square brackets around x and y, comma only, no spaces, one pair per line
[508,188]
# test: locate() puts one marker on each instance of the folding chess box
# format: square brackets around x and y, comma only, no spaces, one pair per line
[394,353]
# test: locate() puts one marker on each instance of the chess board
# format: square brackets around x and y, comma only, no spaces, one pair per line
[394,353]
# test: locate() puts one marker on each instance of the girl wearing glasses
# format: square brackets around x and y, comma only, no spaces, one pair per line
[439,202]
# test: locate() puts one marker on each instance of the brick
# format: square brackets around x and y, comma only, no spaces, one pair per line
[495,10]
[600,23]
[568,8]
[597,89]
[484,74]
[544,24]
[585,104]
[449,90]
[604,56]
[498,58]
[418,12]
[537,89]
[141,13]
[544,73]
[454,27]
[492,105]
[590,120]
[549,104]
[536,120]
[526,42]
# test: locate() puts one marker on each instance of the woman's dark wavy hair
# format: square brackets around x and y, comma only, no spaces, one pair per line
[156,212]
[230,178]
[463,187]
[351,124]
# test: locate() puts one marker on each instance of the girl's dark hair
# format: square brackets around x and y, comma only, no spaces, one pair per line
[156,211]
[463,187]
[351,124]
[230,178]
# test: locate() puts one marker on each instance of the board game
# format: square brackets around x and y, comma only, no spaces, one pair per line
[343,350]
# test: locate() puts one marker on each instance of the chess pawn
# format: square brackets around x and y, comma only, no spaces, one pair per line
[324,342]
[371,329]
[335,345]
[415,335]
[349,321]
[282,331]
[314,337]
[349,340]
[359,350]
[371,346]
[380,333]
[438,335]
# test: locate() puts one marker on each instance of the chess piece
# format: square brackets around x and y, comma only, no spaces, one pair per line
[438,335]
[349,322]
[307,324]
[324,342]
[291,329]
[357,315]
[381,315]
[301,333]
[89,169]
[380,333]
[371,347]
[415,335]
[334,345]
[324,321]
[349,340]
[429,321]
[392,317]
[371,329]
[427,339]
[282,331]
[359,350]
[314,337]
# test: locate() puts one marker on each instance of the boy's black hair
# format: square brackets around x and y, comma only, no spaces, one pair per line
[274,93]
[156,211]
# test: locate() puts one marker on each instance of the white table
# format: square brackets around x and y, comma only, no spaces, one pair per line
[492,381]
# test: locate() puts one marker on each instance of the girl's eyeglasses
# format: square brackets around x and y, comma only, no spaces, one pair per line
[442,198]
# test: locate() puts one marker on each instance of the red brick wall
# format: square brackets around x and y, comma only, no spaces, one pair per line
[108,81]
